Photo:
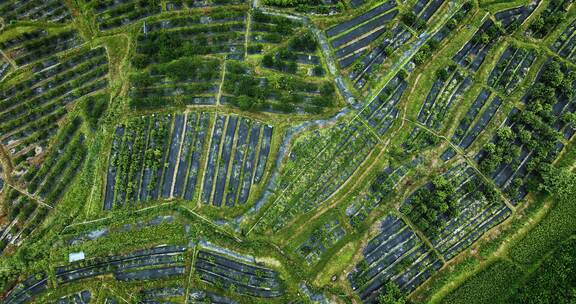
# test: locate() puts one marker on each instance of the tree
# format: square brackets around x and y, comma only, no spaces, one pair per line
[392,295]
[268,61]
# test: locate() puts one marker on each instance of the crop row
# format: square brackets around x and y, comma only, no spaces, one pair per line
[26,290]
[466,133]
[167,261]
[549,18]
[271,29]
[202,296]
[155,295]
[31,108]
[23,215]
[396,254]
[317,169]
[424,9]
[238,276]
[321,240]
[290,93]
[382,111]
[362,72]
[34,10]
[512,18]
[169,44]
[471,208]
[300,53]
[382,187]
[27,48]
[511,68]
[566,43]
[111,14]
[351,39]
[81,297]
[159,157]
[473,53]
[189,80]
[241,140]
[447,90]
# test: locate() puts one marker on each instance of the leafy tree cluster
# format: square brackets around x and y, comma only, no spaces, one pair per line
[532,127]
[432,206]
[253,93]
[283,62]
[164,47]
[426,52]
[411,20]
[94,107]
[552,16]
[391,294]
[429,203]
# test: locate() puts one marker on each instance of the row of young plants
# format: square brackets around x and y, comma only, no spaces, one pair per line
[187,80]
[159,157]
[381,113]
[433,44]
[35,10]
[315,7]
[111,14]
[446,93]
[166,261]
[267,30]
[25,49]
[455,210]
[472,124]
[421,13]
[511,68]
[320,241]
[384,186]
[512,18]
[363,69]
[473,53]
[554,14]
[318,165]
[228,180]
[172,38]
[33,106]
[396,254]
[23,216]
[566,42]
[237,276]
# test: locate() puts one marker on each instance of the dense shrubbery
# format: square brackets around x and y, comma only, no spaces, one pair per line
[492,285]
[553,281]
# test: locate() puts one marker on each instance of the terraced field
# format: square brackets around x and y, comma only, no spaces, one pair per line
[275,151]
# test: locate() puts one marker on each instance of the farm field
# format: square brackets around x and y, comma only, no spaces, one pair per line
[287,151]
